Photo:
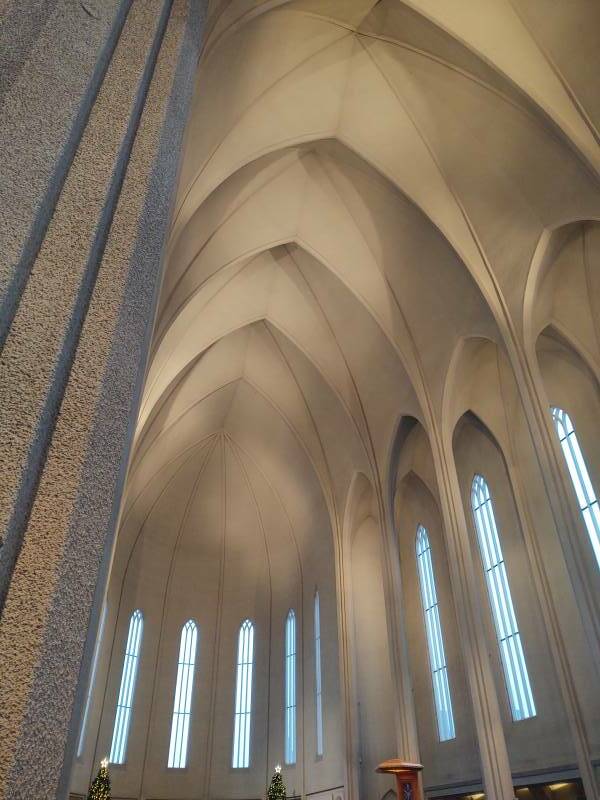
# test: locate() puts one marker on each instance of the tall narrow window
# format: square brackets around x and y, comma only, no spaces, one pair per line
[88,697]
[290,688]
[118,747]
[435,639]
[509,639]
[586,497]
[182,705]
[243,697]
[318,679]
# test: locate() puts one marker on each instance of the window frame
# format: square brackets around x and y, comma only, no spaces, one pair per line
[290,698]
[319,724]
[517,683]
[246,625]
[188,648]
[579,475]
[127,688]
[434,636]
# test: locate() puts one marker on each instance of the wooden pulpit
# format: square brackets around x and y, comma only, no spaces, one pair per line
[407,777]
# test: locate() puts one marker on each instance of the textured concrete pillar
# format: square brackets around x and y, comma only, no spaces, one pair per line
[94,97]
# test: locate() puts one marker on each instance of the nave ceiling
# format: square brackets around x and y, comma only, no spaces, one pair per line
[364,187]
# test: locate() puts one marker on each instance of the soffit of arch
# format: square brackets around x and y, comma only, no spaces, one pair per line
[482,381]
[568,291]
[380,247]
[260,389]
[549,56]
[219,503]
[416,459]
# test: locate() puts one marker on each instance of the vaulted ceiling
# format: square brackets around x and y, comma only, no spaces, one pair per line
[364,185]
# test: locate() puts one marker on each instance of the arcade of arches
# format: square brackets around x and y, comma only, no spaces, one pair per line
[377,336]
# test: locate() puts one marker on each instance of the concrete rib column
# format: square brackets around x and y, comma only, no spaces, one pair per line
[39,347]
[70,376]
[539,420]
[495,763]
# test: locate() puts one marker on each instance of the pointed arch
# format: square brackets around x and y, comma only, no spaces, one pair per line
[182,702]
[242,727]
[516,675]
[118,748]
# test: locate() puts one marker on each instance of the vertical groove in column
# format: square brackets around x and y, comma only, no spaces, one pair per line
[41,343]
[16,268]
[75,508]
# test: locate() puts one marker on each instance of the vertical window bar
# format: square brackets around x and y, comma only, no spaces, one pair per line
[318,677]
[243,697]
[290,688]
[118,746]
[503,611]
[435,640]
[182,703]
[580,477]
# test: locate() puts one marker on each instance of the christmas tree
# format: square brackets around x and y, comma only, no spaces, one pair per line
[100,788]
[277,788]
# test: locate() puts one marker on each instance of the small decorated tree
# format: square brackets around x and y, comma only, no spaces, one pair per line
[276,790]
[100,788]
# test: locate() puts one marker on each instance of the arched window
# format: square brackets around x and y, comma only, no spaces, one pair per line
[118,746]
[318,679]
[182,704]
[586,497]
[435,639]
[243,697]
[290,688]
[88,697]
[509,639]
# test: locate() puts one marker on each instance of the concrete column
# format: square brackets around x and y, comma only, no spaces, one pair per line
[112,83]
[559,491]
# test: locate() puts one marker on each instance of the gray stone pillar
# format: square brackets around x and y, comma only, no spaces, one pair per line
[94,101]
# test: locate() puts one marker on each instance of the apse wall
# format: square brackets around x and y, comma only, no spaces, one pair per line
[215,544]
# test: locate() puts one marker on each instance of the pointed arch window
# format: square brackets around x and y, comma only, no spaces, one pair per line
[435,639]
[509,639]
[118,748]
[290,688]
[580,477]
[243,696]
[182,704]
[88,697]
[318,677]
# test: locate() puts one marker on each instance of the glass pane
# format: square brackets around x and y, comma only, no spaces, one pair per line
[182,704]
[243,697]
[580,476]
[435,640]
[505,620]
[118,746]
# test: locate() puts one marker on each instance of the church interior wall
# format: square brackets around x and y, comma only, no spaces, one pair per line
[380,269]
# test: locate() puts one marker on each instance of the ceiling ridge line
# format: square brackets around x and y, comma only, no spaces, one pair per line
[249,256]
[237,448]
[224,221]
[179,418]
[387,283]
[236,122]
[368,452]
[579,107]
[488,272]
[128,506]
[149,387]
